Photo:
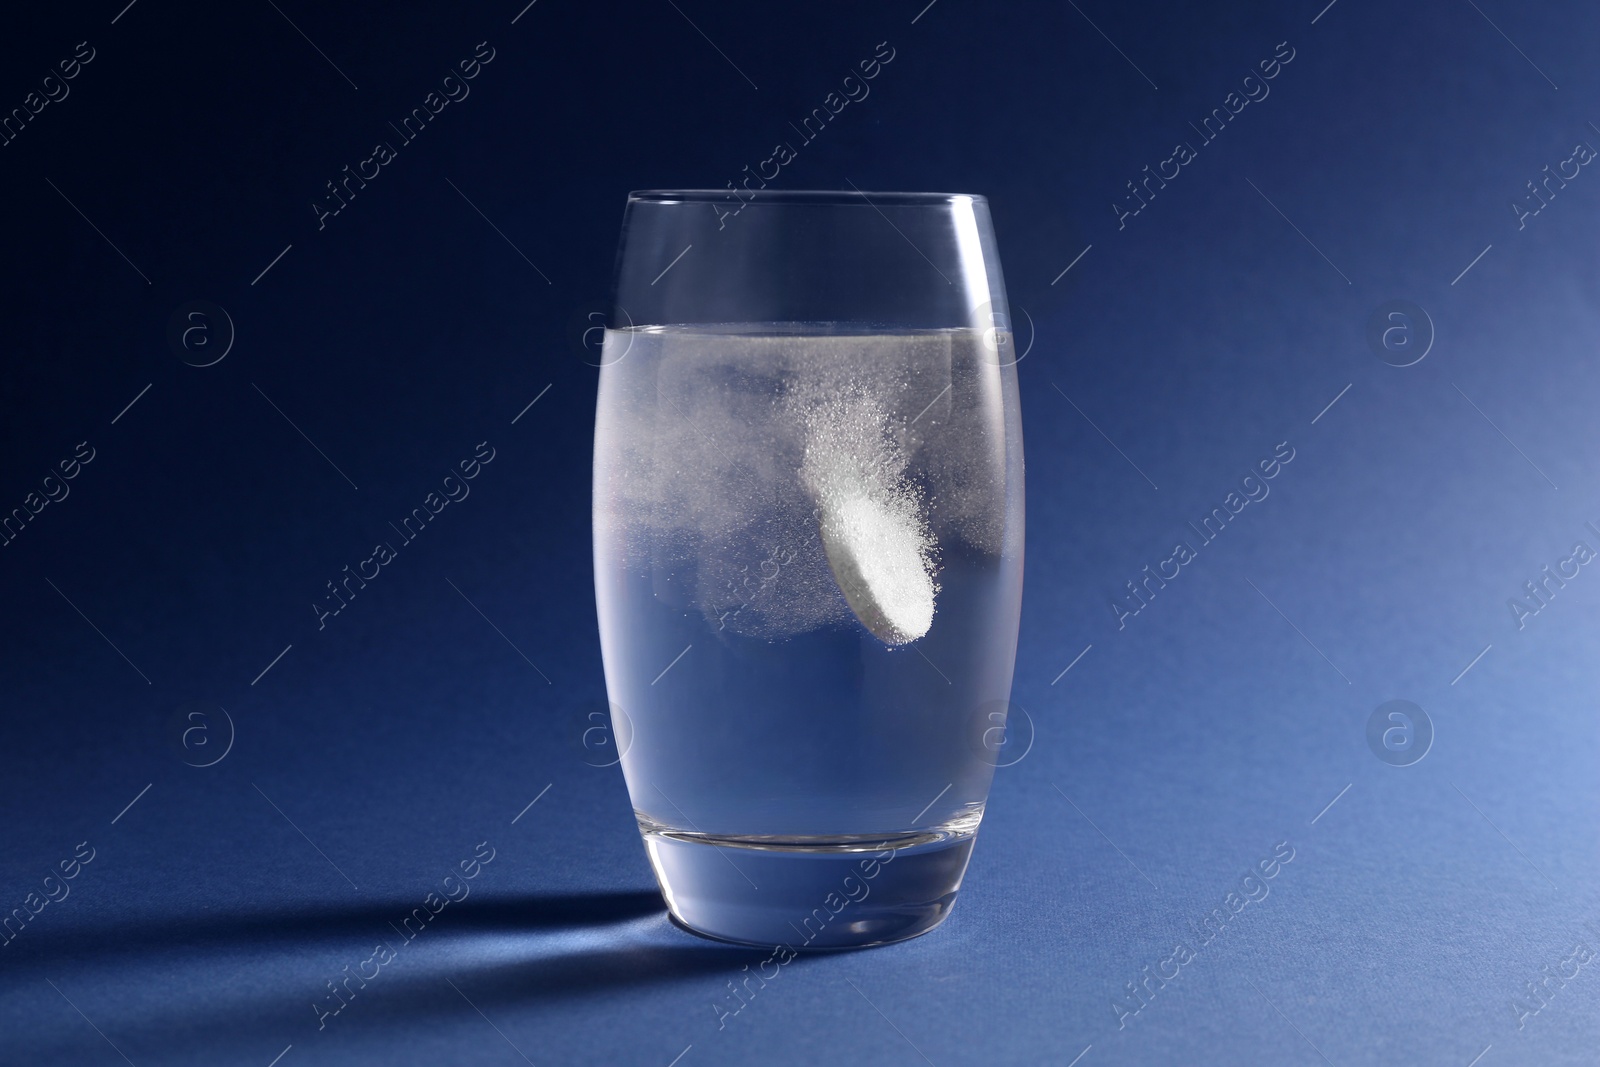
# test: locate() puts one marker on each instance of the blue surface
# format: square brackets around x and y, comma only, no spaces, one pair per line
[1227,716]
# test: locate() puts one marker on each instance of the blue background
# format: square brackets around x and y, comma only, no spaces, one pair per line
[377,752]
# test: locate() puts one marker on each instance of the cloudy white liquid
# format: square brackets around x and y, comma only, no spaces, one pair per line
[816,522]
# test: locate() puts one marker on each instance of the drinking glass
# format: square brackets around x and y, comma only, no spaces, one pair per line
[808,521]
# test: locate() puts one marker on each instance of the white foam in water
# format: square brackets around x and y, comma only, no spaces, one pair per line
[782,483]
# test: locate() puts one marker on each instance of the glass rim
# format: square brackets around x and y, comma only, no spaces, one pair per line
[801,196]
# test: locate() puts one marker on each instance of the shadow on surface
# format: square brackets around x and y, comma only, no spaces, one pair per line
[266,975]
[311,923]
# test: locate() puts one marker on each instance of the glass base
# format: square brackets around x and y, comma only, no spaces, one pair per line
[808,893]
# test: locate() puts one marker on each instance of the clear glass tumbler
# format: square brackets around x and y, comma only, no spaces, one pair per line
[808,520]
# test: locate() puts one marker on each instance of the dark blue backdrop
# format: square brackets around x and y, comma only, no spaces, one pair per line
[158,611]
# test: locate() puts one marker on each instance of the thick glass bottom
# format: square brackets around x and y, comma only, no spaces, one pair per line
[810,892]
